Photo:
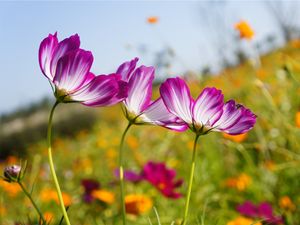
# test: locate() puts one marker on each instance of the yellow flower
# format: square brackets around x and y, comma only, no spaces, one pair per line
[48,195]
[240,183]
[137,204]
[243,221]
[245,30]
[12,189]
[297,118]
[152,19]
[104,196]
[286,203]
[236,138]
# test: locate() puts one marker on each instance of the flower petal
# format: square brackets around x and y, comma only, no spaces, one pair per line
[158,114]
[46,50]
[99,92]
[73,70]
[208,107]
[177,98]
[126,69]
[236,119]
[140,90]
[64,47]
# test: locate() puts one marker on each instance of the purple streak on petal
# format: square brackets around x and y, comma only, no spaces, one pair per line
[158,114]
[126,69]
[177,98]
[63,48]
[236,119]
[140,90]
[245,124]
[129,176]
[73,70]
[46,50]
[98,92]
[89,77]
[208,107]
[247,209]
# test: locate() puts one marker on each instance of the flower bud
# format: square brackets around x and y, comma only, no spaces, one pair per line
[11,173]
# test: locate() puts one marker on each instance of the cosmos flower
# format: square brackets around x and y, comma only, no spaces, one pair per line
[67,67]
[158,175]
[208,112]
[243,221]
[236,138]
[152,19]
[12,173]
[286,203]
[49,195]
[103,196]
[130,176]
[139,108]
[89,186]
[263,211]
[244,29]
[137,204]
[297,119]
[162,178]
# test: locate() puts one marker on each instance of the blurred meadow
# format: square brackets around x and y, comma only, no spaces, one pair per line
[252,178]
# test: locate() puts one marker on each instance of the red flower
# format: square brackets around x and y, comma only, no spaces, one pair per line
[162,178]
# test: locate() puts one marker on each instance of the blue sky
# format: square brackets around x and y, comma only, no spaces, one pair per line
[112,30]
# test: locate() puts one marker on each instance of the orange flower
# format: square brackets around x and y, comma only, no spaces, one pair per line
[244,30]
[104,196]
[48,195]
[2,210]
[137,204]
[240,183]
[270,165]
[295,43]
[152,19]
[297,118]
[48,216]
[236,138]
[286,203]
[243,221]
[12,189]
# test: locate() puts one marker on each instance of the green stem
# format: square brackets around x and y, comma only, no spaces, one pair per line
[186,211]
[49,134]
[121,172]
[33,203]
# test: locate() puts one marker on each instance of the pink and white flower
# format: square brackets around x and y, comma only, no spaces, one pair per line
[208,112]
[139,108]
[67,67]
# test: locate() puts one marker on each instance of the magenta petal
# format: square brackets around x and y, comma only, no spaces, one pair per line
[248,209]
[126,69]
[98,92]
[73,70]
[177,98]
[208,107]
[139,90]
[46,50]
[158,114]
[63,48]
[236,119]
